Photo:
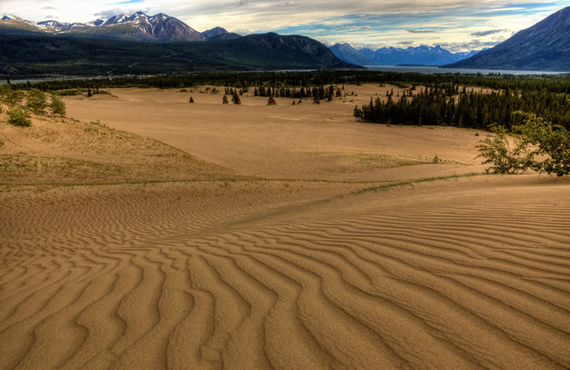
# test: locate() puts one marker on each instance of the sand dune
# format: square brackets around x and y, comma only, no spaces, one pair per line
[243,273]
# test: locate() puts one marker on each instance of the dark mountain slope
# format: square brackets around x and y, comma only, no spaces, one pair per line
[52,55]
[544,46]
[349,54]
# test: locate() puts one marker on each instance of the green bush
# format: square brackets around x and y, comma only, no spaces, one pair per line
[57,105]
[505,154]
[37,101]
[531,137]
[553,141]
[18,116]
[10,96]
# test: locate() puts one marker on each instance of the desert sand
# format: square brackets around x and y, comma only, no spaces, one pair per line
[145,232]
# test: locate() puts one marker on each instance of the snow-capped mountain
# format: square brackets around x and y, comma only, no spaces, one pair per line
[420,55]
[10,17]
[138,27]
[159,27]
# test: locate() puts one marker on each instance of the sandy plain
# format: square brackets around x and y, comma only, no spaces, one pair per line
[150,233]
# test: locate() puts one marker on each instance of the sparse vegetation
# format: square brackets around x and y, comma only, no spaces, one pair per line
[506,153]
[57,105]
[533,138]
[36,101]
[18,116]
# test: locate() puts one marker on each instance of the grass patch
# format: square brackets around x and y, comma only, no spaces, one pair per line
[387,187]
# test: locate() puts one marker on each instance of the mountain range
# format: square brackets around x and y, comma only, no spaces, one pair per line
[134,27]
[420,55]
[544,46]
[140,44]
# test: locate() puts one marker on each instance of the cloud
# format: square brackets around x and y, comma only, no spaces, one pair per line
[487,33]
[287,4]
[106,14]
[420,31]
[242,31]
[129,2]
[49,8]
[353,28]
[48,17]
[378,22]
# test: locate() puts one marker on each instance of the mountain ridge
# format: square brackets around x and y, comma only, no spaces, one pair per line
[41,55]
[420,55]
[544,46]
[135,27]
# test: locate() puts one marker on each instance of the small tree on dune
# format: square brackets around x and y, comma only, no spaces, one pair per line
[533,137]
[225,99]
[36,101]
[57,105]
[271,101]
[235,98]
[191,100]
[18,116]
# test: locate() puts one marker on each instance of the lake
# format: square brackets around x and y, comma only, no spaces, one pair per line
[437,70]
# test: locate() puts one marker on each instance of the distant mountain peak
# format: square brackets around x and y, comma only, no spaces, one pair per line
[219,33]
[10,17]
[412,55]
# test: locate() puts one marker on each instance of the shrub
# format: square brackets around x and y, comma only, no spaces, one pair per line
[545,139]
[505,157]
[10,96]
[57,105]
[552,141]
[271,101]
[18,116]
[36,101]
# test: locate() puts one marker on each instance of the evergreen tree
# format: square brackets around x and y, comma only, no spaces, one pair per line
[225,99]
[236,99]
[271,101]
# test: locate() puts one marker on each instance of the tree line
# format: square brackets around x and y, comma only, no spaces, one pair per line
[450,105]
[552,83]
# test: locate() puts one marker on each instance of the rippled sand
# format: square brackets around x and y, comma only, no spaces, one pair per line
[291,237]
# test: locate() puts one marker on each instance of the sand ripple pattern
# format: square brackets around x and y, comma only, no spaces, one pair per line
[205,282]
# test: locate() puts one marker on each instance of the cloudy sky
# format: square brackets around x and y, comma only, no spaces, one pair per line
[458,25]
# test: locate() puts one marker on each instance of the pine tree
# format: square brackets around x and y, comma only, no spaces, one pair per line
[236,99]
[225,99]
[271,101]
[191,100]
